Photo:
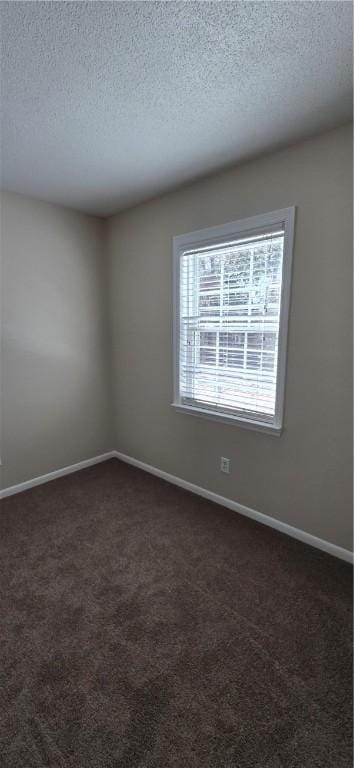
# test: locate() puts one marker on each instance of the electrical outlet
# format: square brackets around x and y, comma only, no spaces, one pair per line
[224,465]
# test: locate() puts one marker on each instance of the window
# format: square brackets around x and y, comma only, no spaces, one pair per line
[232,286]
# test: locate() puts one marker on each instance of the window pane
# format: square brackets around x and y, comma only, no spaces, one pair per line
[207,339]
[207,356]
[207,348]
[230,296]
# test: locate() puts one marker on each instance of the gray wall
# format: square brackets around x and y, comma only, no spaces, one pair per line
[303,477]
[54,362]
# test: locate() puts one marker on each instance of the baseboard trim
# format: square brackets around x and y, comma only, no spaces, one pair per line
[289,530]
[12,489]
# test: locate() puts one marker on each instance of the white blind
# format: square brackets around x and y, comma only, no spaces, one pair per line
[229,314]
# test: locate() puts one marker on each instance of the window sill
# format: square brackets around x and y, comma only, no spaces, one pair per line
[237,421]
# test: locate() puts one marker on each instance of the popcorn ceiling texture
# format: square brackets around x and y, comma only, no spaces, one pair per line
[109,103]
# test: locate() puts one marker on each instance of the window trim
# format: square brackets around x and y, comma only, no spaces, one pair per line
[204,237]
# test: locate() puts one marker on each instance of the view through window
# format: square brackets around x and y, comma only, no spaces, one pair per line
[230,298]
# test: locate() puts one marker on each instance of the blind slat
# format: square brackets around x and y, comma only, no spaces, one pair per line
[229,314]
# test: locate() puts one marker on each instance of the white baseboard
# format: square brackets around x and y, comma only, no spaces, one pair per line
[56,473]
[296,533]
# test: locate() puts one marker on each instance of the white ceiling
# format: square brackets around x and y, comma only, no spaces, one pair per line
[105,104]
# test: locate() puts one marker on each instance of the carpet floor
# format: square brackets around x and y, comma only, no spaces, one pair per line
[143,626]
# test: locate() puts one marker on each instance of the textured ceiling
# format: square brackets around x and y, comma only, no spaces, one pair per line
[105,104]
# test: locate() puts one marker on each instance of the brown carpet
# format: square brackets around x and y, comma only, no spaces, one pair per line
[144,626]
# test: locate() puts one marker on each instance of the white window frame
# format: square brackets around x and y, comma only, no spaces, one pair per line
[284,217]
